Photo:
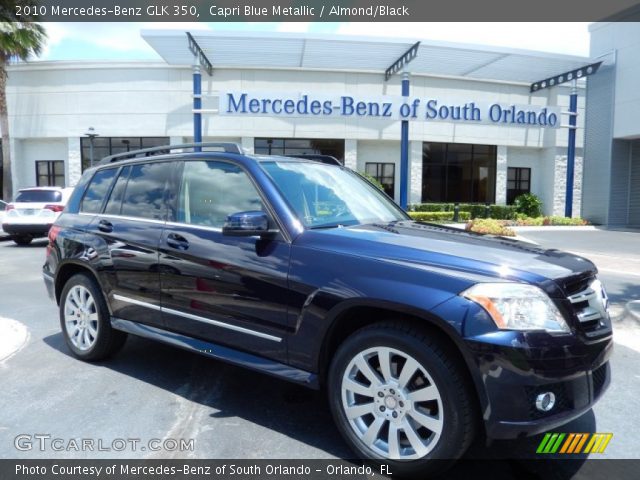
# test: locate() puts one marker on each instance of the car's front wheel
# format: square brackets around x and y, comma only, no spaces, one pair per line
[399,398]
[84,319]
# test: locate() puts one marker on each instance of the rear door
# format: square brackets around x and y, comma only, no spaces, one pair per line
[229,290]
[130,226]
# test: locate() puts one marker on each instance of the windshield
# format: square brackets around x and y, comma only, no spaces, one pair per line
[39,196]
[326,196]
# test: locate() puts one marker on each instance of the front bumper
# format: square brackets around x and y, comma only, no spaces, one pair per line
[516,367]
[35,229]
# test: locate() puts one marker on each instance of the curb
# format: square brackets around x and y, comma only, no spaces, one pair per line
[559,228]
[13,337]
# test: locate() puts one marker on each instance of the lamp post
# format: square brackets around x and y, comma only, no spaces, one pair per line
[572,77]
[400,65]
[91,133]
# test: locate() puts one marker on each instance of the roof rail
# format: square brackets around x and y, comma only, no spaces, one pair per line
[226,147]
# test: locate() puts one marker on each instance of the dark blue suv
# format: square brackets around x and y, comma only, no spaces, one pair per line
[421,335]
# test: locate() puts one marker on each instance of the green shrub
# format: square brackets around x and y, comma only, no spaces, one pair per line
[490,226]
[524,221]
[475,210]
[372,180]
[528,204]
[432,207]
[503,212]
[437,216]
[564,221]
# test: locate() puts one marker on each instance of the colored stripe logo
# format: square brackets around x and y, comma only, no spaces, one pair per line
[574,443]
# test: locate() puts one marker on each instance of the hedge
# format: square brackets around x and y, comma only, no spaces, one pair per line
[438,216]
[475,210]
[522,221]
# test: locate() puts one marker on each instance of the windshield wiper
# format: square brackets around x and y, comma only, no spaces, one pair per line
[327,225]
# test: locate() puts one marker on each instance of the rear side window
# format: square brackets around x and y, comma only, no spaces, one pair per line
[115,199]
[39,196]
[144,193]
[97,191]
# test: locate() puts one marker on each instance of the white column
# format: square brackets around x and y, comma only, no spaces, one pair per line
[247,144]
[501,175]
[73,165]
[351,154]
[560,186]
[415,172]
[577,187]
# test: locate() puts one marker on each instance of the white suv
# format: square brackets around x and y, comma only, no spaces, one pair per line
[33,212]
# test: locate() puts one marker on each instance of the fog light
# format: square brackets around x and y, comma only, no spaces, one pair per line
[545,401]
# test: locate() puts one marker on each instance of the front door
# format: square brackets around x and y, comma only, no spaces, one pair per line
[227,290]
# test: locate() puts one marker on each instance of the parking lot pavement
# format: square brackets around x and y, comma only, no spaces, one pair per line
[151,391]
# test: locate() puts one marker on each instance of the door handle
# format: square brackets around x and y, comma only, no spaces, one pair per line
[105,226]
[177,241]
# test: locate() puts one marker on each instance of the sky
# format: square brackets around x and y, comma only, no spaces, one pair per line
[122,41]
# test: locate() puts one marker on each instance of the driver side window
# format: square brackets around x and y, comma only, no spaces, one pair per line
[210,191]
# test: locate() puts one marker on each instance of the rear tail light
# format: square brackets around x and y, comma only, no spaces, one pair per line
[53,233]
[54,208]
[9,207]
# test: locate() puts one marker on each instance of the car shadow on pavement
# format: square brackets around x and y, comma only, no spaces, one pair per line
[303,414]
[36,243]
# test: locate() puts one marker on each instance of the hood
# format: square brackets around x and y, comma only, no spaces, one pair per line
[450,248]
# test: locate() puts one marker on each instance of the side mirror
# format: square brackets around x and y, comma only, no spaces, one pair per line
[247,224]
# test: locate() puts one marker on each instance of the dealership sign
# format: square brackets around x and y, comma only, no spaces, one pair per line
[281,104]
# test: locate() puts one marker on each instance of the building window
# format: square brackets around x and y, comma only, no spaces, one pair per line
[105,146]
[458,172]
[385,173]
[518,182]
[50,173]
[299,146]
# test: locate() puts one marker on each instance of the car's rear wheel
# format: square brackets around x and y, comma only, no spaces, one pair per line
[84,319]
[22,239]
[399,398]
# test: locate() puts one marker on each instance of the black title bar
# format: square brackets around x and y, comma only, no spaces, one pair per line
[319,10]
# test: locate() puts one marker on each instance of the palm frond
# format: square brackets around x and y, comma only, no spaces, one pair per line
[20,40]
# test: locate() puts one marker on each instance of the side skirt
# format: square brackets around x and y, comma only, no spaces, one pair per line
[219,352]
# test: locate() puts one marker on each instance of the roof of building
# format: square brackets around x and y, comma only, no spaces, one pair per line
[366,54]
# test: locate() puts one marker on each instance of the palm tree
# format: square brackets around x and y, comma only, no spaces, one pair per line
[20,38]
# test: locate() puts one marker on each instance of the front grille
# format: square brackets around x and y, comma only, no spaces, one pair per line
[599,377]
[563,401]
[589,302]
[576,286]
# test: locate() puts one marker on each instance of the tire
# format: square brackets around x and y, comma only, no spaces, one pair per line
[22,239]
[428,408]
[84,320]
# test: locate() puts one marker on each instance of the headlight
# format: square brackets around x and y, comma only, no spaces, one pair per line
[517,306]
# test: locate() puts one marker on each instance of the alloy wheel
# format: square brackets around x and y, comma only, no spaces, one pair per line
[392,403]
[81,317]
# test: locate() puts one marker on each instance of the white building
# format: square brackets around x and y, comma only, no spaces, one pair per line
[489,156]
[612,168]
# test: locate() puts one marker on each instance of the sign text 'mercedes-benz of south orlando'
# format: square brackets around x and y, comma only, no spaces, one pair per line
[279,104]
